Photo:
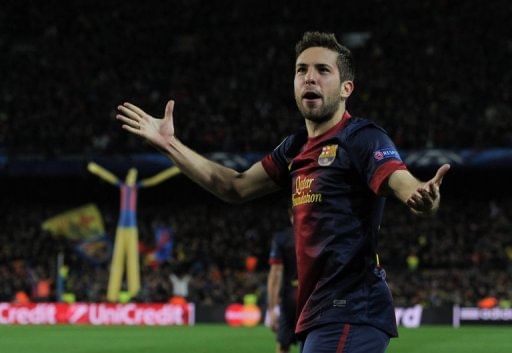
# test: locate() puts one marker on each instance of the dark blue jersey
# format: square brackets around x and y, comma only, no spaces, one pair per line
[335,179]
[282,251]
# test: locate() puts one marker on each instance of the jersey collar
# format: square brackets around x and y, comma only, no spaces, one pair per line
[333,130]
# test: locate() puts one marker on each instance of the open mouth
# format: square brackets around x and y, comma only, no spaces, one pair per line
[311,97]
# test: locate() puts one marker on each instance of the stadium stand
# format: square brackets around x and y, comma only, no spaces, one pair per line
[431,83]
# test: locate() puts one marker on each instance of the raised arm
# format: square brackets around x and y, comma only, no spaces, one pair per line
[227,184]
[422,198]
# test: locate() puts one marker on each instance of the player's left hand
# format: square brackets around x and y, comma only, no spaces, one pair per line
[425,200]
[274,321]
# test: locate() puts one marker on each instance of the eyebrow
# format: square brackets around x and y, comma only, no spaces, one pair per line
[318,65]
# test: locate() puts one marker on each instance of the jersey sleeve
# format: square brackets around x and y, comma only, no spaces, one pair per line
[374,155]
[276,163]
[276,254]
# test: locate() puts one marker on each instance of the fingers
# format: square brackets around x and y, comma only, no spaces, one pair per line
[433,190]
[423,199]
[133,130]
[129,113]
[128,121]
[415,212]
[131,116]
[415,206]
[169,108]
[416,201]
[427,200]
[438,178]
[134,108]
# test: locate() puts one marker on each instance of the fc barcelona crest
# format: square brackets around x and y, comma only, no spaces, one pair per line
[328,155]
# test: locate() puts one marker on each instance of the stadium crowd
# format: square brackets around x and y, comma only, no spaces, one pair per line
[427,71]
[461,256]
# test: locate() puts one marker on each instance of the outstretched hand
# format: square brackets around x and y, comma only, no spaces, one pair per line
[425,200]
[157,132]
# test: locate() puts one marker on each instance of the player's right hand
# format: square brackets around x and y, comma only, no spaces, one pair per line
[158,132]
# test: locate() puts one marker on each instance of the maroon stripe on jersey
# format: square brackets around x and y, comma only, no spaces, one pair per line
[384,171]
[332,131]
[343,338]
[308,248]
[275,262]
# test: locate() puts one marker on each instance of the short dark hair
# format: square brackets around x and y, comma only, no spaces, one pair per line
[328,40]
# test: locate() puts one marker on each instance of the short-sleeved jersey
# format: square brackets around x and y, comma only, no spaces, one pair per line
[335,180]
[282,251]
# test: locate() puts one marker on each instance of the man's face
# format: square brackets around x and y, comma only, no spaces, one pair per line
[317,84]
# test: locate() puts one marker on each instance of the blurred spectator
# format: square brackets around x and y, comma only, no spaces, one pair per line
[460,256]
[433,73]
[180,282]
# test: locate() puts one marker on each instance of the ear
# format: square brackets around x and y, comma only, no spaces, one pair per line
[347,87]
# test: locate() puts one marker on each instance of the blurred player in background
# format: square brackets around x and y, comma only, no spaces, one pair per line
[282,288]
[339,168]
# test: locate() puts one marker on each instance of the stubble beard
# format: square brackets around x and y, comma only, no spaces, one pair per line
[321,115]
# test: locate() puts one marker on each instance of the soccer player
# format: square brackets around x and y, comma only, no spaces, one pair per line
[282,288]
[340,168]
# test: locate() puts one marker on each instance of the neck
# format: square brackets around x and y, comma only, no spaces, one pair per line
[316,129]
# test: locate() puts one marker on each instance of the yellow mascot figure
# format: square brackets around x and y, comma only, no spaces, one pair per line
[126,243]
